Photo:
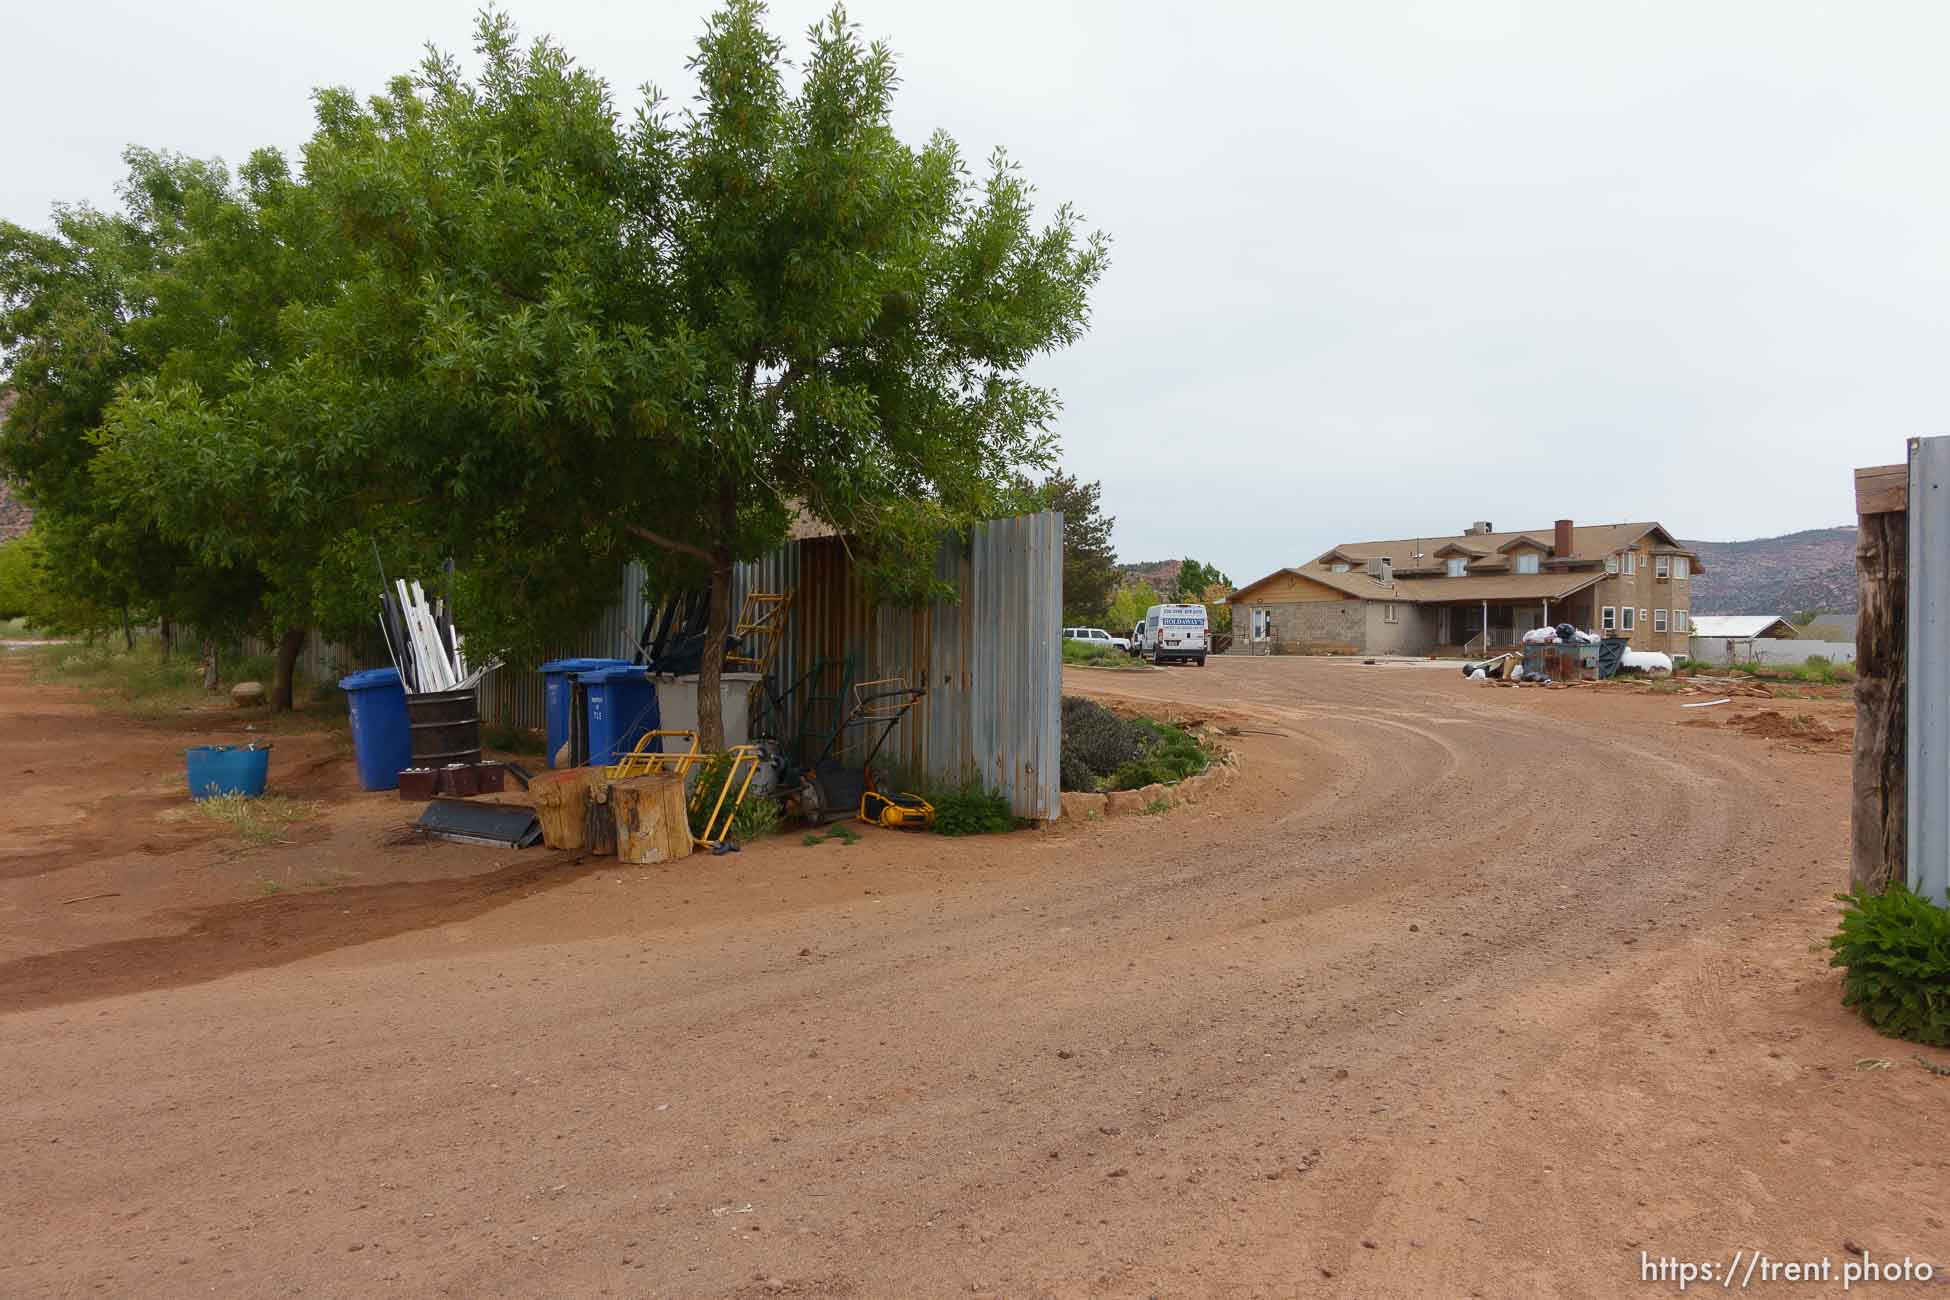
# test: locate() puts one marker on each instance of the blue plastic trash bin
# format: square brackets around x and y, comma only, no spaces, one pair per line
[558,693]
[622,706]
[226,769]
[382,743]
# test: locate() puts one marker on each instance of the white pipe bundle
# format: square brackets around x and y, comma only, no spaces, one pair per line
[431,658]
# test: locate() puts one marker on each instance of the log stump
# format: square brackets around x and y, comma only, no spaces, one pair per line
[561,802]
[651,824]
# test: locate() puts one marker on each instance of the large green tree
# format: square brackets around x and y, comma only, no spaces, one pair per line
[83,314]
[592,340]
[1089,555]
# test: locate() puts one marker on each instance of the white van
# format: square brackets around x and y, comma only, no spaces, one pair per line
[1175,632]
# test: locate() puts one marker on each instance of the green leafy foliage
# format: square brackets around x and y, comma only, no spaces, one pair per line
[1169,754]
[1895,948]
[971,810]
[1193,580]
[1102,751]
[1089,556]
[1086,654]
[1129,605]
[1819,670]
[756,818]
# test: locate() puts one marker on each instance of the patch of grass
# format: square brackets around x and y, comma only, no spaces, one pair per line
[1086,654]
[971,810]
[1157,806]
[17,629]
[140,680]
[263,820]
[837,831]
[1896,950]
[1820,670]
[756,818]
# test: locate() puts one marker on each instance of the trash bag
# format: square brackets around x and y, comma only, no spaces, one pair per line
[1566,631]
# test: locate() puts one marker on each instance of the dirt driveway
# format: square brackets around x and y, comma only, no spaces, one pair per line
[1456,991]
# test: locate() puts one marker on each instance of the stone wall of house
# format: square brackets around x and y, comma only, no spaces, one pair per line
[1312,627]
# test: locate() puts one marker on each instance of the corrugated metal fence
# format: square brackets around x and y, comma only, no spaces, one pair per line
[1928,720]
[991,661]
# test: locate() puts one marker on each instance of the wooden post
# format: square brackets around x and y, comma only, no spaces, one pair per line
[651,824]
[1878,809]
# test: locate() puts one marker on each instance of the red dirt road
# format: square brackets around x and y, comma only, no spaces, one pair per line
[1456,991]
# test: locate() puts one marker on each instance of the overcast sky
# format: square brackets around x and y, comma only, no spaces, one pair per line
[1380,269]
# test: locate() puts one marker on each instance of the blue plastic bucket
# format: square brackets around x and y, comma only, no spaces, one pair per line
[226,769]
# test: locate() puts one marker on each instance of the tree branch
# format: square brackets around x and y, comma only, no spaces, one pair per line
[668,543]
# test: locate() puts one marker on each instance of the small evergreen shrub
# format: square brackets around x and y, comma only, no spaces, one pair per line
[1896,950]
[1169,755]
[971,810]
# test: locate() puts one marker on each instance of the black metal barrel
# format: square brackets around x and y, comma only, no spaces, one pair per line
[446,727]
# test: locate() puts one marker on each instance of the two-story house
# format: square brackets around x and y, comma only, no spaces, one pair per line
[1478,589]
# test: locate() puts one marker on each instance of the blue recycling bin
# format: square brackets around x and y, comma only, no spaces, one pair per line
[558,693]
[622,706]
[382,743]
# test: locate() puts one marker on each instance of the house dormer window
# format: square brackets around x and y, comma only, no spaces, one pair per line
[1457,565]
[1527,562]
[1339,566]
[1611,563]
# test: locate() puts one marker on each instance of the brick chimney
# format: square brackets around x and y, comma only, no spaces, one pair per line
[1563,542]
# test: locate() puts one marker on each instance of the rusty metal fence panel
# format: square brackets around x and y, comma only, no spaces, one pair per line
[991,659]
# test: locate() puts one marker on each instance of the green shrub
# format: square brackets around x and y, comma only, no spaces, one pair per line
[513,740]
[1096,741]
[1091,655]
[756,818]
[971,810]
[1896,950]
[707,780]
[1170,755]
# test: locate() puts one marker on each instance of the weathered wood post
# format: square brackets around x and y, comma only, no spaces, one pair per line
[1878,809]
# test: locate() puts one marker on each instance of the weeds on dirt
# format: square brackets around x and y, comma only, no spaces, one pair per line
[140,680]
[756,818]
[971,810]
[837,831]
[263,820]
[1896,950]
[1157,806]
[1820,670]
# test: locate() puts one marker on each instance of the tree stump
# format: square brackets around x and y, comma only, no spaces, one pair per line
[562,805]
[651,824]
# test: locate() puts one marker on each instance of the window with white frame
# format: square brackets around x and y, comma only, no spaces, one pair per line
[1457,566]
[1608,619]
[1658,620]
[1662,566]
[1390,613]
[1682,567]
[1631,563]
[1611,563]
[1262,624]
[1626,620]
[1340,566]
[1681,621]
[1527,562]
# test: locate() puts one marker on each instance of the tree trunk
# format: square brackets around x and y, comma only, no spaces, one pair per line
[289,646]
[128,633]
[167,629]
[209,664]
[710,667]
[1879,805]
